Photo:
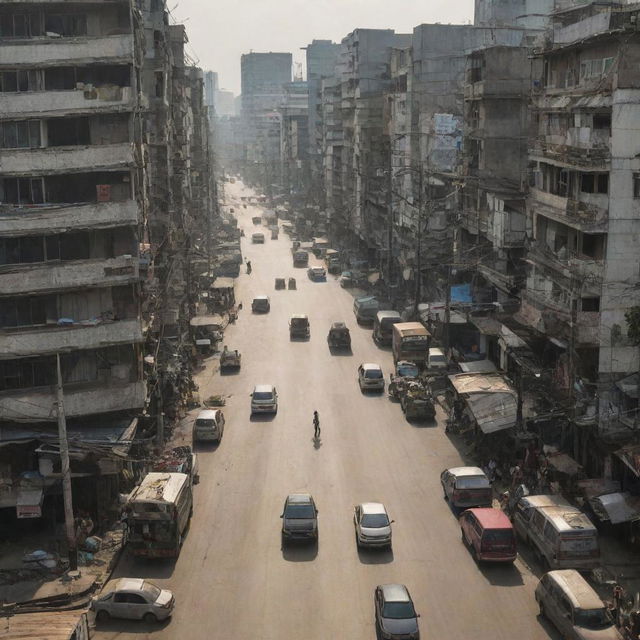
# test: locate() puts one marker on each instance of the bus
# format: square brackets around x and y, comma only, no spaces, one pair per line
[159,511]
[411,342]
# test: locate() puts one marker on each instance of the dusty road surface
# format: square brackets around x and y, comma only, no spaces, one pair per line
[233,580]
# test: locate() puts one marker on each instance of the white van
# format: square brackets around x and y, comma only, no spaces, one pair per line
[436,360]
[562,535]
[208,426]
[576,610]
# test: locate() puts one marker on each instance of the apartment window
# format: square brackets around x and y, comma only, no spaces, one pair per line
[594,69]
[26,373]
[63,132]
[156,5]
[22,250]
[159,84]
[22,191]
[594,183]
[593,245]
[18,81]
[60,79]
[602,121]
[27,311]
[67,24]
[24,134]
[636,185]
[590,304]
[20,25]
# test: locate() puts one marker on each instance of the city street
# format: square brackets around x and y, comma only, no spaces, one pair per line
[232,579]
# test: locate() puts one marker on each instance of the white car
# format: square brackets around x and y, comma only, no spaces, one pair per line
[370,377]
[133,598]
[264,399]
[373,527]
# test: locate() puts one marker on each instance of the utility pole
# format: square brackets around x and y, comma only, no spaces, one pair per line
[390,238]
[419,247]
[66,472]
[447,312]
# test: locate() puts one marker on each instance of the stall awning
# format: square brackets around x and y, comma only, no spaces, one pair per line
[214,320]
[563,463]
[490,398]
[222,283]
[616,507]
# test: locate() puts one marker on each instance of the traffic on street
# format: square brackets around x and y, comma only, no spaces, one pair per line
[242,571]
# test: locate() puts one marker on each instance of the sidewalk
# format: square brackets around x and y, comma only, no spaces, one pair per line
[24,585]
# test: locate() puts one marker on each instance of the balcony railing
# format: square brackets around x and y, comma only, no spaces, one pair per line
[586,216]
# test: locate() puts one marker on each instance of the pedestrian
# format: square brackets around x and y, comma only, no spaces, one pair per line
[248,266]
[316,425]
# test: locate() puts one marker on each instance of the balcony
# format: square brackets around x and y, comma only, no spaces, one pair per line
[581,147]
[55,52]
[45,277]
[577,266]
[77,101]
[495,88]
[19,343]
[586,215]
[59,160]
[15,221]
[35,405]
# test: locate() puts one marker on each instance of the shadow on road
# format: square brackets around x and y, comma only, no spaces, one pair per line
[336,351]
[421,423]
[502,575]
[550,630]
[375,556]
[156,568]
[118,625]
[262,417]
[302,553]
[230,372]
[317,443]
[205,447]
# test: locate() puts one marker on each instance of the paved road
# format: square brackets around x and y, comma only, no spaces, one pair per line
[233,580]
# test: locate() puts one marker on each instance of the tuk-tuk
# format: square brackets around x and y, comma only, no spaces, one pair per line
[280,283]
[274,234]
[339,336]
[256,219]
[295,245]
[292,283]
[332,260]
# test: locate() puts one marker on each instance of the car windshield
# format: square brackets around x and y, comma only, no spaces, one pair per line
[408,370]
[436,358]
[375,520]
[300,511]
[262,395]
[373,373]
[150,591]
[593,618]
[398,610]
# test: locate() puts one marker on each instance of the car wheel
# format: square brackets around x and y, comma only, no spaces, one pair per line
[103,616]
[542,611]
[444,491]
[150,618]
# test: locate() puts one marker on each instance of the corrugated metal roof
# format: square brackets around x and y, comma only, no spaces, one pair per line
[52,625]
[617,507]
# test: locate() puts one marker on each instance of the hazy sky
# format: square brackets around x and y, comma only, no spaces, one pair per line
[221,30]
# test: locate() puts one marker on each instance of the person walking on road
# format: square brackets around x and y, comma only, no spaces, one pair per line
[248,266]
[316,425]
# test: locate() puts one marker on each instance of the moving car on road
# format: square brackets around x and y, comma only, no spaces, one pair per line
[370,377]
[317,274]
[373,527]
[133,598]
[299,519]
[261,304]
[299,326]
[466,487]
[208,426]
[264,399]
[257,238]
[339,336]
[396,616]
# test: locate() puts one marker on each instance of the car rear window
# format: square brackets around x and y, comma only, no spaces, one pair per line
[151,591]
[498,536]
[201,422]
[373,373]
[262,395]
[472,482]
[300,511]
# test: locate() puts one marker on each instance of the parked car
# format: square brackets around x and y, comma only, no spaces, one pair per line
[370,377]
[572,605]
[264,399]
[299,519]
[489,535]
[299,326]
[133,598]
[373,527]
[317,274]
[406,369]
[257,238]
[261,304]
[208,426]
[396,616]
[436,361]
[466,487]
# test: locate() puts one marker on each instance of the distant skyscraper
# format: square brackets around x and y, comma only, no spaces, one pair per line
[210,87]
